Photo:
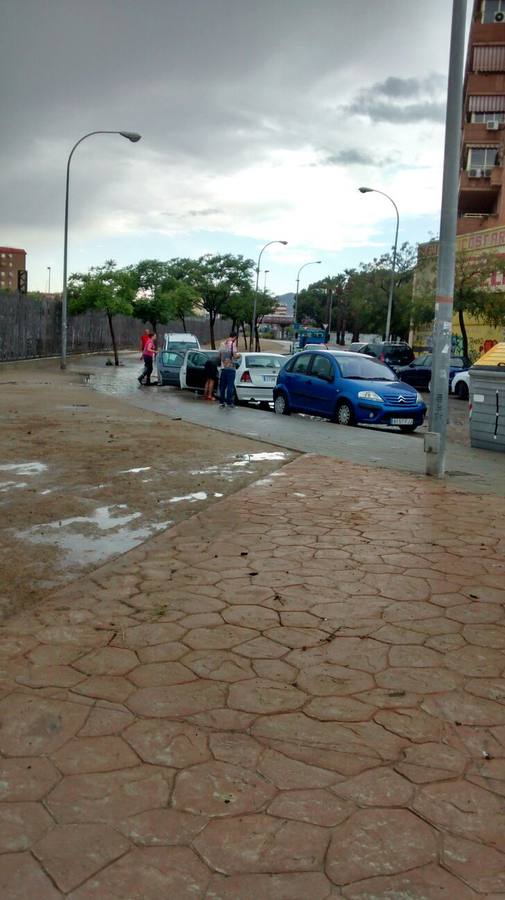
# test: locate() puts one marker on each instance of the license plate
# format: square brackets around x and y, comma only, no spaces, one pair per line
[270,379]
[402,421]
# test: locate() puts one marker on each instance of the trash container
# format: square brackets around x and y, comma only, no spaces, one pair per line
[487,400]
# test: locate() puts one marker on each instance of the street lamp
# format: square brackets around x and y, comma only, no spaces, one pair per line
[316,262]
[49,279]
[253,323]
[367,190]
[131,136]
[265,272]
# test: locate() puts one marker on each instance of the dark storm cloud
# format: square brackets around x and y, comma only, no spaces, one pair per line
[402,100]
[355,158]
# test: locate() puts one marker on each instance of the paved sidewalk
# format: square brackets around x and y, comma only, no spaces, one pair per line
[298,693]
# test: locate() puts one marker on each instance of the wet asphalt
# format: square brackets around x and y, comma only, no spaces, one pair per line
[468,468]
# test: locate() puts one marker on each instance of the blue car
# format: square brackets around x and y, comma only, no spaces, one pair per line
[348,388]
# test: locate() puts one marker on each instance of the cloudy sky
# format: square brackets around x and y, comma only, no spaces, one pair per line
[259,121]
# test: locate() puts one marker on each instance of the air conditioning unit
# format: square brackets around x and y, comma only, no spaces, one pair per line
[499,17]
[492,125]
[475,173]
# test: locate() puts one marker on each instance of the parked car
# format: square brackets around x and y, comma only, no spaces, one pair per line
[169,364]
[256,376]
[349,389]
[460,385]
[191,372]
[395,355]
[418,372]
[180,340]
[357,346]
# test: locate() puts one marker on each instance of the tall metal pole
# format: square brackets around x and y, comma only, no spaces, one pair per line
[316,262]
[393,269]
[49,280]
[435,439]
[265,272]
[367,190]
[132,136]
[253,322]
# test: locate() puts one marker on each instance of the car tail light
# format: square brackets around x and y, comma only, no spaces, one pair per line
[246,376]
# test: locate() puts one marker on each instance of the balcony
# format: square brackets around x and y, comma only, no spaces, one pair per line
[468,223]
[492,33]
[488,184]
[477,133]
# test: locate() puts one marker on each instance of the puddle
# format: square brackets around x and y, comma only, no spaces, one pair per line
[135,471]
[228,468]
[107,532]
[31,468]
[192,498]
[15,471]
[6,486]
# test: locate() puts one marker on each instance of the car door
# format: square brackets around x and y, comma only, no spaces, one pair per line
[418,373]
[195,363]
[320,388]
[296,379]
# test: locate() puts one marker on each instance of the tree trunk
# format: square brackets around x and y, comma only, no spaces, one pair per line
[257,338]
[464,336]
[245,335]
[212,318]
[113,339]
[183,320]
[355,336]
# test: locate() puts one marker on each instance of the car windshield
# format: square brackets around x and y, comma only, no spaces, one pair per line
[182,345]
[364,369]
[264,362]
[398,354]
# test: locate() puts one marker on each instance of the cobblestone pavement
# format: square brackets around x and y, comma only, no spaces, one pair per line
[296,694]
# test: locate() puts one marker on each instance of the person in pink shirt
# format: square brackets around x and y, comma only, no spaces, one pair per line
[148,354]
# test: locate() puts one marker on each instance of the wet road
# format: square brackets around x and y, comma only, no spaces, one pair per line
[476,470]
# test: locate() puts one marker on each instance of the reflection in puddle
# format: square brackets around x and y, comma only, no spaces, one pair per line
[192,498]
[227,469]
[94,538]
[16,471]
[31,468]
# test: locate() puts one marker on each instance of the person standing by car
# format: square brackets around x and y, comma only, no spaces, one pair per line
[148,354]
[227,355]
[211,374]
[143,340]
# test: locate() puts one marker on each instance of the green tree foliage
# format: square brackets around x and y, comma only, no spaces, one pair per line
[151,302]
[217,279]
[105,288]
[474,293]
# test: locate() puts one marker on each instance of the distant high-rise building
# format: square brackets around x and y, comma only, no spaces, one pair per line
[482,181]
[12,261]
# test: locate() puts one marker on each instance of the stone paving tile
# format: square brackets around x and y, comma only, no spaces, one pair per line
[308,704]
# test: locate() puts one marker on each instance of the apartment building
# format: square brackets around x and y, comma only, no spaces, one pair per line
[482,180]
[12,261]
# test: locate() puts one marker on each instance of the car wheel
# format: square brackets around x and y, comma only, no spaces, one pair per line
[344,414]
[407,429]
[281,406]
[461,391]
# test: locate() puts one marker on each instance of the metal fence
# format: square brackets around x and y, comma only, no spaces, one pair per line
[31,328]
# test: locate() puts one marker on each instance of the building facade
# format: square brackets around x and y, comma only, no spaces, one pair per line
[12,261]
[482,180]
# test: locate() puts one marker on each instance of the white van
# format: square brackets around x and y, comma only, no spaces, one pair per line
[180,340]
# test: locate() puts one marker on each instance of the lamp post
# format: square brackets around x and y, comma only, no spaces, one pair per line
[49,280]
[131,136]
[253,323]
[265,272]
[367,190]
[316,262]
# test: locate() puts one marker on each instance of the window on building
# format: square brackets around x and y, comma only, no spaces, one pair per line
[488,117]
[482,157]
[493,11]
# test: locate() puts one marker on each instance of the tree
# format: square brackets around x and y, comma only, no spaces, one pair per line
[151,304]
[103,288]
[216,278]
[475,277]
